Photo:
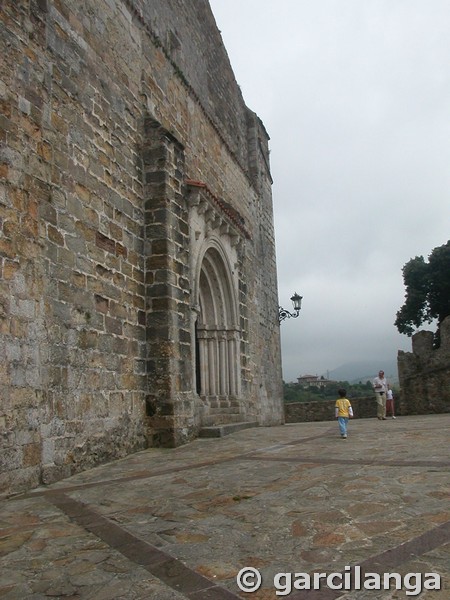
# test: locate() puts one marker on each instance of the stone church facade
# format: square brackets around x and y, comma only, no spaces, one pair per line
[138,291]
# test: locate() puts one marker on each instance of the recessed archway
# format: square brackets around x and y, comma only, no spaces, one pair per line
[217,333]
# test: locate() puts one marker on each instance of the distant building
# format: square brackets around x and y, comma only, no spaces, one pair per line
[307,381]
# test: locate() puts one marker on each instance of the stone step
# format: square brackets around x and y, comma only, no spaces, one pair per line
[234,410]
[215,431]
[221,418]
[220,404]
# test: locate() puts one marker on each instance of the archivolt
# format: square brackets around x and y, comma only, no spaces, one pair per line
[217,331]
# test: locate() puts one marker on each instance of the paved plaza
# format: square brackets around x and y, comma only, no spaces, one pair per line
[181,524]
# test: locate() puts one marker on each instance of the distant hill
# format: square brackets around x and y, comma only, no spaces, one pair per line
[363,371]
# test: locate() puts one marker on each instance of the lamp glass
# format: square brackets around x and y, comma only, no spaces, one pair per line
[297,301]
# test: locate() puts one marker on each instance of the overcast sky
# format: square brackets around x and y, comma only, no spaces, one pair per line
[355,95]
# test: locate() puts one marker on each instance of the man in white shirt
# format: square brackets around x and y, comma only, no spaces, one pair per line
[380,387]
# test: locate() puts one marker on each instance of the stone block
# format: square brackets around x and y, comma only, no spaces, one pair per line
[31,454]
[53,472]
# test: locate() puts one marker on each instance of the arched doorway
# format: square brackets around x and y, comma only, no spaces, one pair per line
[217,332]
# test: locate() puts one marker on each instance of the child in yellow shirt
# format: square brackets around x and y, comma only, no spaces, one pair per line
[343,411]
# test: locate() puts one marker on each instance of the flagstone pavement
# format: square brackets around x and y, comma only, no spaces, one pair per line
[177,524]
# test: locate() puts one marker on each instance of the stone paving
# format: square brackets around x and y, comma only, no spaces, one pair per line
[180,524]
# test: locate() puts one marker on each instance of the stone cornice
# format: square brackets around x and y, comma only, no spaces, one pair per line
[218,212]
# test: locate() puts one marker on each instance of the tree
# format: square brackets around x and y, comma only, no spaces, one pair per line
[427,291]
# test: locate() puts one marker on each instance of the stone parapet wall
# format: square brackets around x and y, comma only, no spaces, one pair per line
[424,373]
[323,410]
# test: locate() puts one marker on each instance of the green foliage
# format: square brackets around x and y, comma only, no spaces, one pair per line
[294,392]
[427,291]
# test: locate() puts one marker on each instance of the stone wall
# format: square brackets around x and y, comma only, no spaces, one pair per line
[110,112]
[323,410]
[424,373]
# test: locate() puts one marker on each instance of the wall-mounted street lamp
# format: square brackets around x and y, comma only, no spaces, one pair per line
[285,314]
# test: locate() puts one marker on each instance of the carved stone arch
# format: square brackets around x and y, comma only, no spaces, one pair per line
[217,332]
[220,304]
[217,244]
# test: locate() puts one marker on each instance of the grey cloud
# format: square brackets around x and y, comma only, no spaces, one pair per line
[355,97]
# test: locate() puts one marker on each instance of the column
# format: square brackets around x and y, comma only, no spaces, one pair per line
[223,362]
